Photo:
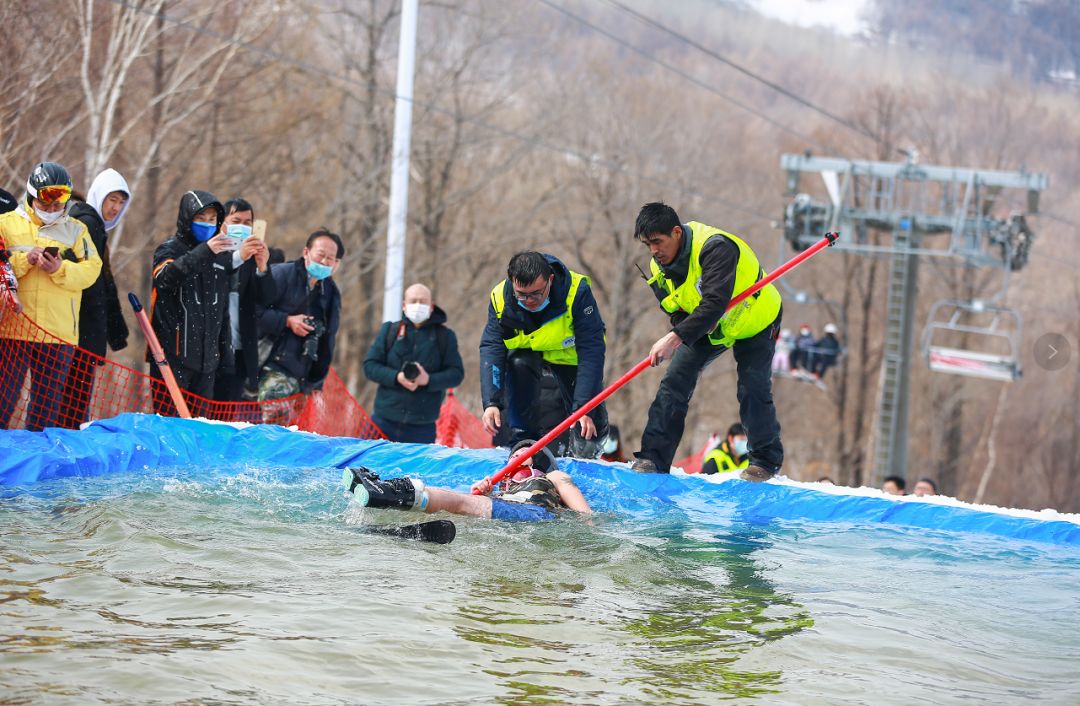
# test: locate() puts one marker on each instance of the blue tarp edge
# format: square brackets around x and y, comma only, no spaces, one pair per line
[134,443]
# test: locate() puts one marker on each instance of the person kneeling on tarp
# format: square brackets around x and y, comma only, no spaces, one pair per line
[538,490]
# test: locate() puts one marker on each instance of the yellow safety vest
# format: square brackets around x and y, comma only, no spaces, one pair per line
[746,320]
[723,460]
[554,339]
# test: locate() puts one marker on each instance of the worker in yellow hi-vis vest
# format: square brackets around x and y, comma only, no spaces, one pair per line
[542,356]
[696,270]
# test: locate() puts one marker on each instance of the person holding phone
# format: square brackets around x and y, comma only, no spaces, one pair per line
[54,259]
[250,284]
[190,297]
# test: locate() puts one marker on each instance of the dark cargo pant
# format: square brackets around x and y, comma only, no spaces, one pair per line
[667,415]
[540,396]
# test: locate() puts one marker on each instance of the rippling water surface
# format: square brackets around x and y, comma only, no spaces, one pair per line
[263,588]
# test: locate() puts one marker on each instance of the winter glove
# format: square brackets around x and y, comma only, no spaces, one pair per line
[116,331]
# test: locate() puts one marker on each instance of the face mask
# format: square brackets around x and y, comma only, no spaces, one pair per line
[804,332]
[537,309]
[610,445]
[417,313]
[741,447]
[203,231]
[317,270]
[49,218]
[239,231]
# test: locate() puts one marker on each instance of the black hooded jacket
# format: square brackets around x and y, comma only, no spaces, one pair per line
[101,319]
[190,297]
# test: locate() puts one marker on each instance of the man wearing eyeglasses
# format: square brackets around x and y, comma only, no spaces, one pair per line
[54,259]
[542,355]
[299,328]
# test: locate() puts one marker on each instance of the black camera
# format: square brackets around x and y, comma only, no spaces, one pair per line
[410,370]
[311,341]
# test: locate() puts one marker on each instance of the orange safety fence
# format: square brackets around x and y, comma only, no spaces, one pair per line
[47,382]
[458,427]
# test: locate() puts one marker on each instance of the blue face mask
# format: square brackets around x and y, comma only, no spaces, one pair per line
[203,231]
[543,306]
[741,447]
[318,270]
[239,231]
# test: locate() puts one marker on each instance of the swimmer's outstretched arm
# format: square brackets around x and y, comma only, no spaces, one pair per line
[569,493]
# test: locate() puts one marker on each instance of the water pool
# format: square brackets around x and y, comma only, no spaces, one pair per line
[254,583]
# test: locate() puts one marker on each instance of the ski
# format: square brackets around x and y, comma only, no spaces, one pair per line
[436,531]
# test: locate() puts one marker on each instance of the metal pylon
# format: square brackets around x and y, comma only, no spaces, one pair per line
[890,457]
[914,205]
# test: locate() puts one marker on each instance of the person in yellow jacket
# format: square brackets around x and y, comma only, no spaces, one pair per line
[730,454]
[696,270]
[542,356]
[54,259]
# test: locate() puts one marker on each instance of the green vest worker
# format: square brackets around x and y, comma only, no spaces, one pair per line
[696,270]
[542,355]
[730,455]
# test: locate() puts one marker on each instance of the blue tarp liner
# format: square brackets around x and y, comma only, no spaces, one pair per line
[133,443]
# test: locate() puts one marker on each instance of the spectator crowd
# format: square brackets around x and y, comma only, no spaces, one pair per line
[237,322]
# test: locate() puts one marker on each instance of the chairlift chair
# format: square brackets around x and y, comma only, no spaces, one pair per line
[805,221]
[997,359]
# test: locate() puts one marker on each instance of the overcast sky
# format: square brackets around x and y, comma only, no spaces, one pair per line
[839,15]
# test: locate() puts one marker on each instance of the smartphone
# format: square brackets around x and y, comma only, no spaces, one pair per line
[258,229]
[53,250]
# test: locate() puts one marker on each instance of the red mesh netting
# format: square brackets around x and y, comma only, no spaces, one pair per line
[692,463]
[46,382]
[458,427]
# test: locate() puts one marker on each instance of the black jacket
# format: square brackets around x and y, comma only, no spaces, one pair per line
[190,297]
[100,318]
[434,346]
[7,202]
[295,297]
[255,290]
[588,337]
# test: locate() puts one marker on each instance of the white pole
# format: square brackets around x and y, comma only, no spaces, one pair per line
[399,176]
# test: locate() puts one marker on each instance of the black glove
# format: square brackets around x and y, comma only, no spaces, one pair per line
[116,330]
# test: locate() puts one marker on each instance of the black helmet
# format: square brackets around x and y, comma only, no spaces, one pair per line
[543,460]
[49,182]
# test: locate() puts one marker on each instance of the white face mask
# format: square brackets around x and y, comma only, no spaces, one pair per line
[49,218]
[417,313]
[741,447]
[610,444]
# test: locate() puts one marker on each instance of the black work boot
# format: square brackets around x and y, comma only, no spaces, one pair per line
[756,474]
[644,465]
[400,493]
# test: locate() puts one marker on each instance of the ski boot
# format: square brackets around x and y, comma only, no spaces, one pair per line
[399,493]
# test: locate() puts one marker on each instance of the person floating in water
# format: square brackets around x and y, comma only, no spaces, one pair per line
[537,491]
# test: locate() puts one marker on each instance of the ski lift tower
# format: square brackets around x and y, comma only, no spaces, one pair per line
[929,211]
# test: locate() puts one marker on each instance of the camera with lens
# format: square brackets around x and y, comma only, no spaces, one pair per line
[410,370]
[311,341]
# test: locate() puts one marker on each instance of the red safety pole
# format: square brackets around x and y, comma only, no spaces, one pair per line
[159,357]
[794,262]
